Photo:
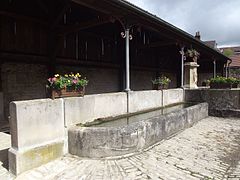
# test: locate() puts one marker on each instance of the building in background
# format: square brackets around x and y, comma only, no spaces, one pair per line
[234,54]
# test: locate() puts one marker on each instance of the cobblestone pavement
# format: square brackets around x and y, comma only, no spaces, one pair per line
[208,150]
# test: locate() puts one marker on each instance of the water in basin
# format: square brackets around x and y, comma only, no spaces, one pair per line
[132,118]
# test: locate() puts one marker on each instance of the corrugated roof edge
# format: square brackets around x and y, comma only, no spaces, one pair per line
[150,15]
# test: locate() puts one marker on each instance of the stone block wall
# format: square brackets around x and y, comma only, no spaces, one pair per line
[22,82]
[101,80]
[222,102]
[142,80]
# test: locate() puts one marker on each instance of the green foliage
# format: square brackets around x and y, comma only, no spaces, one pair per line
[222,80]
[67,81]
[163,80]
[192,53]
[228,52]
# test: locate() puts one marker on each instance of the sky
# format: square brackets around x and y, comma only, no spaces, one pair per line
[215,19]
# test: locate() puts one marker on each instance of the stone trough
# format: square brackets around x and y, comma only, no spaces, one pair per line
[105,140]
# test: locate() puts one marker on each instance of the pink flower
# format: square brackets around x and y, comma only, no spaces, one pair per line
[75,81]
[54,79]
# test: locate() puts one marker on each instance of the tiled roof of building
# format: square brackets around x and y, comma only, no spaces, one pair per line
[236,49]
[212,44]
[235,61]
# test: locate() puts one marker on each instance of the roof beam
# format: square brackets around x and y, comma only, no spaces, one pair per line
[22,17]
[157,44]
[84,25]
[60,14]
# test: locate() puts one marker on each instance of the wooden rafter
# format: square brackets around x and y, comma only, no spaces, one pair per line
[91,5]
[58,18]
[157,44]
[22,17]
[84,25]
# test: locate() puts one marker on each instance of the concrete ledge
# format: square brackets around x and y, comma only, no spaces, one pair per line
[172,96]
[20,161]
[98,142]
[90,107]
[142,100]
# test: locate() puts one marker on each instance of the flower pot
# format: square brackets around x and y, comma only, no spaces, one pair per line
[205,84]
[67,92]
[235,85]
[214,85]
[160,86]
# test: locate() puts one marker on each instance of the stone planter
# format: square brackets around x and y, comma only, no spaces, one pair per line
[160,86]
[67,92]
[220,85]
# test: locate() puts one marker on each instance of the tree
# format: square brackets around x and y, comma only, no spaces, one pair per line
[228,52]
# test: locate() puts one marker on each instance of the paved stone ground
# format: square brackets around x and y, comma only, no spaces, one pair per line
[209,150]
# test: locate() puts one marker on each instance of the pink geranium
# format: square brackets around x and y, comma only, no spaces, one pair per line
[75,81]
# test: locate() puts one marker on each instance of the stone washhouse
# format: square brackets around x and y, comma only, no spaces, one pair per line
[119,47]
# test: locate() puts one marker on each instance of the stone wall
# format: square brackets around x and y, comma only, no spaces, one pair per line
[101,80]
[22,82]
[222,102]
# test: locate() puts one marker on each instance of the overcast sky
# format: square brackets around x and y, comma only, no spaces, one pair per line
[215,19]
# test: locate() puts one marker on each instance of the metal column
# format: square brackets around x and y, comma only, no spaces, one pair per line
[127,60]
[182,67]
[214,69]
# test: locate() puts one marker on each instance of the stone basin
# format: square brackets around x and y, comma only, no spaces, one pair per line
[130,135]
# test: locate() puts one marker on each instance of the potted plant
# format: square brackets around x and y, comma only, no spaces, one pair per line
[206,83]
[68,85]
[221,83]
[160,83]
[235,82]
[192,55]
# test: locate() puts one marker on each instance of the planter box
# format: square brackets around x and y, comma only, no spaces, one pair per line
[205,84]
[235,85]
[67,93]
[220,85]
[160,86]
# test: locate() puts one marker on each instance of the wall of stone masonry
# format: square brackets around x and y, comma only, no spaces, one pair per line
[222,102]
[22,82]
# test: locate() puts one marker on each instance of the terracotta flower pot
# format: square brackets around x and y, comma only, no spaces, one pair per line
[67,92]
[160,86]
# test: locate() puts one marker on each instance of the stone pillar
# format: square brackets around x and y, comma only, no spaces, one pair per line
[191,76]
